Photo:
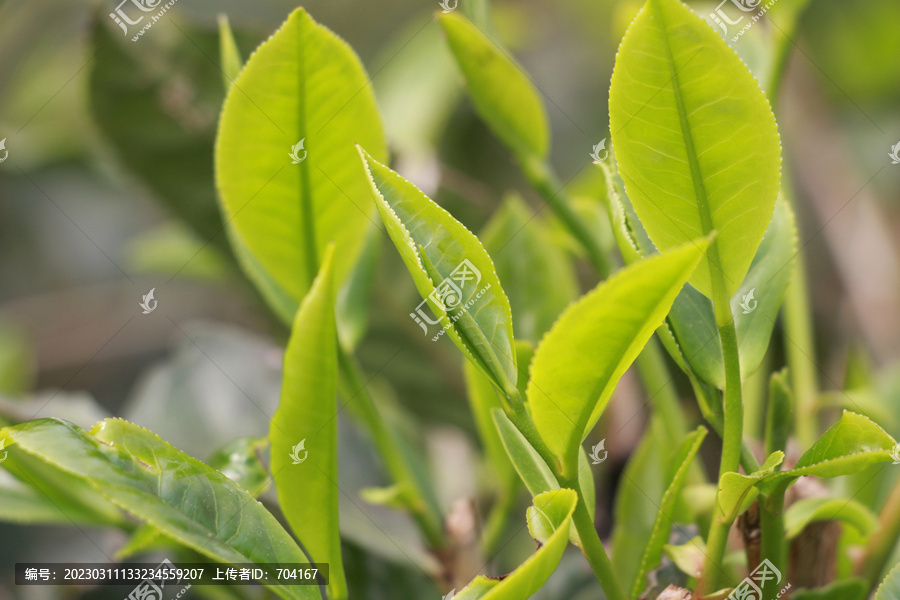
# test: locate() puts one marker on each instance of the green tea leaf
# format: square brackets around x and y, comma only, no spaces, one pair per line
[502,93]
[890,587]
[580,360]
[182,497]
[844,589]
[675,129]
[302,96]
[549,519]
[452,272]
[241,461]
[682,457]
[540,280]
[737,491]
[532,469]
[692,318]
[850,445]
[229,55]
[535,473]
[806,511]
[303,432]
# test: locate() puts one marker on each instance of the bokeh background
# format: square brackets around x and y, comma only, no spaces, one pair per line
[108,192]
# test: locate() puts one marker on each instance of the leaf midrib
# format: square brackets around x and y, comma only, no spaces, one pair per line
[712,253]
[307,213]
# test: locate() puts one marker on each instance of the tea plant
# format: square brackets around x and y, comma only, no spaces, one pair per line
[704,226]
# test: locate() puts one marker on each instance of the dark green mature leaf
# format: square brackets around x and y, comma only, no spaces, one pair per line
[692,318]
[185,499]
[158,110]
[890,587]
[500,90]
[306,85]
[675,129]
[549,519]
[452,272]
[539,278]
[580,360]
[844,589]
[304,429]
[806,511]
[682,458]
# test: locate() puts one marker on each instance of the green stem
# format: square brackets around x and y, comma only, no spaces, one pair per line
[593,548]
[748,460]
[772,544]
[422,505]
[881,544]
[733,426]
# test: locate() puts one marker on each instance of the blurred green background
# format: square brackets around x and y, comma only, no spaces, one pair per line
[108,192]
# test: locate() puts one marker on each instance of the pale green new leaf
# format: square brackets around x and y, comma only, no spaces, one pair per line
[890,587]
[688,557]
[452,272]
[849,446]
[229,55]
[549,518]
[737,491]
[304,84]
[502,93]
[682,457]
[579,362]
[809,510]
[179,495]
[303,432]
[535,473]
[695,140]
